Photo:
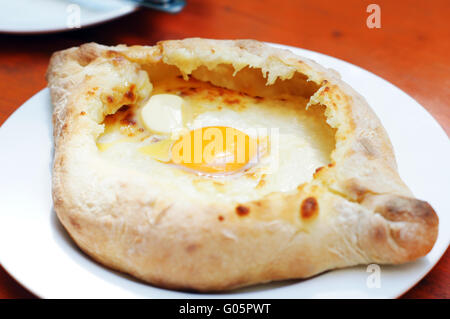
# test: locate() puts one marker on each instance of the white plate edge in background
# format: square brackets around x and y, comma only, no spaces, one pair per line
[92,20]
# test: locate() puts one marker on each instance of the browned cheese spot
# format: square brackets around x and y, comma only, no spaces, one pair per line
[112,54]
[242,210]
[129,95]
[231,101]
[128,119]
[309,208]
[123,108]
[318,169]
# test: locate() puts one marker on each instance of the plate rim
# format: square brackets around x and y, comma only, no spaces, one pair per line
[115,14]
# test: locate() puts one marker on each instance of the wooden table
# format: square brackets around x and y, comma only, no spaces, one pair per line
[411,50]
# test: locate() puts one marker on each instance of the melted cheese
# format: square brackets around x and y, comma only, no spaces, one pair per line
[297,142]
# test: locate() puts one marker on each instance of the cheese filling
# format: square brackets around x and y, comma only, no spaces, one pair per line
[219,143]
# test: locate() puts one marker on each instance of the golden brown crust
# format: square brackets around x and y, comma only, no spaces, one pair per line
[413,224]
[355,211]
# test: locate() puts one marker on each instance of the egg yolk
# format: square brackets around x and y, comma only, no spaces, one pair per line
[214,150]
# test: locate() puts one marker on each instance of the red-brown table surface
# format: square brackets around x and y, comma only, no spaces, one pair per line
[411,50]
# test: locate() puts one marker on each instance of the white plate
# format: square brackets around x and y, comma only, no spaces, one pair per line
[44,16]
[35,249]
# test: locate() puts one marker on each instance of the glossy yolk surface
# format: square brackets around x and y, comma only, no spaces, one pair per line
[208,150]
[214,150]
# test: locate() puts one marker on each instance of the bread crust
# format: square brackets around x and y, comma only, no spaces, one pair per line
[355,211]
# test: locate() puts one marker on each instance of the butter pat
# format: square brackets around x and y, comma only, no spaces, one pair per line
[163,113]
